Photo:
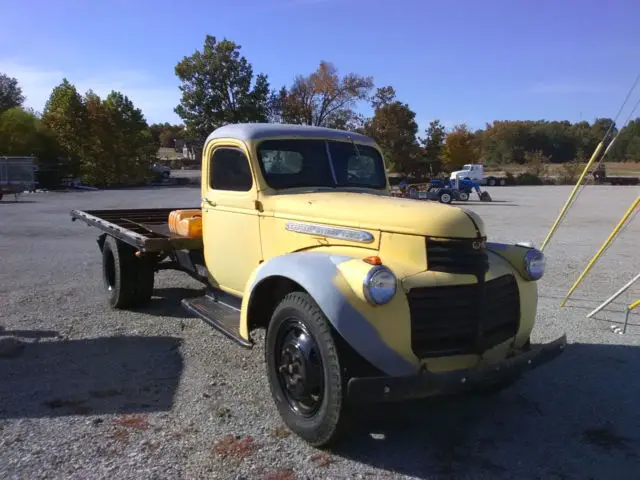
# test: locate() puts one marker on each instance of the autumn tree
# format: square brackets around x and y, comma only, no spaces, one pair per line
[218,88]
[323,98]
[10,93]
[165,134]
[458,148]
[99,156]
[394,128]
[65,115]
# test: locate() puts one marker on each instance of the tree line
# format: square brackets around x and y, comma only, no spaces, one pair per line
[108,141]
[102,141]
[219,86]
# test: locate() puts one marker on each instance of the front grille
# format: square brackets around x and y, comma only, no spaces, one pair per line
[457,255]
[463,319]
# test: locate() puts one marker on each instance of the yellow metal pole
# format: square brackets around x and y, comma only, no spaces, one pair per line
[595,154]
[603,247]
[626,317]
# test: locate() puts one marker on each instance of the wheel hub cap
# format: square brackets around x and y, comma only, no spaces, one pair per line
[299,369]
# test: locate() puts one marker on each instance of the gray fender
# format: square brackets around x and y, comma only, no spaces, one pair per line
[313,271]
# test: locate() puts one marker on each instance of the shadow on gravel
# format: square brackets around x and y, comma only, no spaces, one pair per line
[110,375]
[574,418]
[166,302]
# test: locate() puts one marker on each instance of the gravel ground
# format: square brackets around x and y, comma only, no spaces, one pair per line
[96,393]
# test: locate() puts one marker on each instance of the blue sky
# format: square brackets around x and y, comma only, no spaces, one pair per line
[459,61]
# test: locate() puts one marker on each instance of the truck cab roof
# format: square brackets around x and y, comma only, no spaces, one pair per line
[257,131]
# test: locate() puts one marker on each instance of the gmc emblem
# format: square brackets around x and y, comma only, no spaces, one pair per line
[478,244]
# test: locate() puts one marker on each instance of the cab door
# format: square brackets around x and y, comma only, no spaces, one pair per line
[231,226]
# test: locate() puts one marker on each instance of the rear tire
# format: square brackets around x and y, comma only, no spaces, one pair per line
[127,279]
[304,371]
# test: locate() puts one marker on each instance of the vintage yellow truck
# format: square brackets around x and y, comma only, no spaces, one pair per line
[364,297]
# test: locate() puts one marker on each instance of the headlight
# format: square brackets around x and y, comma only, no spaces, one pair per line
[534,264]
[379,285]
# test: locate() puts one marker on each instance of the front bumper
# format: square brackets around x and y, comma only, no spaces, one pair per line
[385,389]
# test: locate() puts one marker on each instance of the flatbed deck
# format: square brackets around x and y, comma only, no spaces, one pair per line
[147,229]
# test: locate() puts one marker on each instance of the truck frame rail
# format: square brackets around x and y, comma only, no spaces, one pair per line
[146,229]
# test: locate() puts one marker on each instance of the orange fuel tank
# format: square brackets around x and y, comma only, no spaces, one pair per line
[176,216]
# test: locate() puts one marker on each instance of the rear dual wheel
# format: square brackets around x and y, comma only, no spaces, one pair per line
[304,371]
[127,279]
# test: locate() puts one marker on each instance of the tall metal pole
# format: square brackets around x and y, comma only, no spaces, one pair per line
[603,247]
[563,212]
[615,295]
[626,318]
[591,160]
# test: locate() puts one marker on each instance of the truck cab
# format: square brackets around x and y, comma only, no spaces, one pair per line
[364,297]
[471,171]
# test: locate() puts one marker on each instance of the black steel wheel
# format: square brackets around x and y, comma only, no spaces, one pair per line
[304,371]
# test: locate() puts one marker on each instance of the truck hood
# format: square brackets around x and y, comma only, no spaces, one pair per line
[377,212]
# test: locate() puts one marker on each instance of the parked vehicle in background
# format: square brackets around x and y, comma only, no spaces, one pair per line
[475,173]
[600,176]
[161,170]
[17,175]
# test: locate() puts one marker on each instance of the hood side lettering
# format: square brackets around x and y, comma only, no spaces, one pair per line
[331,232]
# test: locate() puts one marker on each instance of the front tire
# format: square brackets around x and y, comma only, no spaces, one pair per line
[445,197]
[304,371]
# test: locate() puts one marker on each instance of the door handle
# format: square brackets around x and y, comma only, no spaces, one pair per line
[208,202]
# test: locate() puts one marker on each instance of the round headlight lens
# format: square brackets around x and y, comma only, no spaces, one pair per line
[534,264]
[379,285]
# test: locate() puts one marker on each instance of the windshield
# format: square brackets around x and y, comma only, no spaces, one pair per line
[466,167]
[320,163]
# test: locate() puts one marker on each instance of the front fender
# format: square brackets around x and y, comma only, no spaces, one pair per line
[378,334]
[514,254]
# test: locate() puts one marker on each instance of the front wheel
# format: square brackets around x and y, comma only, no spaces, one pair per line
[304,371]
[445,197]
[464,196]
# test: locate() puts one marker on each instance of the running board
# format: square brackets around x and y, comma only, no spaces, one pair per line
[222,317]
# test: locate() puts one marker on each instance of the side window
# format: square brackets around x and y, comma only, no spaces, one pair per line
[230,170]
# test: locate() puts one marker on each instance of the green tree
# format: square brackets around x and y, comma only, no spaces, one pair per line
[626,146]
[433,144]
[383,96]
[217,89]
[23,134]
[65,115]
[19,132]
[10,93]
[394,128]
[133,145]
[100,159]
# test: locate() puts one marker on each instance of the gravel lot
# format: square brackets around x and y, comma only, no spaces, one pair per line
[155,394]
